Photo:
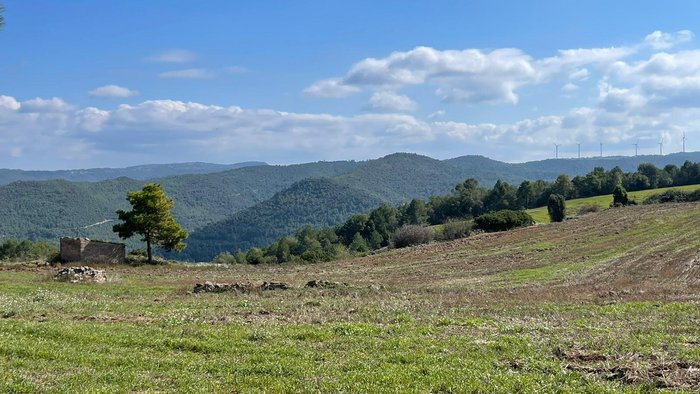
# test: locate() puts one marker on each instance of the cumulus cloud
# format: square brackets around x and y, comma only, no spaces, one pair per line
[569,87]
[390,101]
[173,56]
[158,130]
[659,40]
[113,91]
[54,104]
[472,76]
[189,73]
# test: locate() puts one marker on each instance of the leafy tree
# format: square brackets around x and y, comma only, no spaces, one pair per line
[151,218]
[502,196]
[415,212]
[358,244]
[556,207]
[255,256]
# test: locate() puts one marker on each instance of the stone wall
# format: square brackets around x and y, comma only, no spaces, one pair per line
[85,250]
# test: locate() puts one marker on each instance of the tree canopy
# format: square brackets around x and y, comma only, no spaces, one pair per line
[151,218]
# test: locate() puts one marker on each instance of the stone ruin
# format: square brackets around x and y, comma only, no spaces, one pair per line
[89,251]
[324,284]
[210,287]
[80,274]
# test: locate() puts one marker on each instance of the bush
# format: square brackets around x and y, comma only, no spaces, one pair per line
[411,234]
[620,198]
[503,220]
[224,258]
[673,196]
[590,208]
[28,250]
[556,207]
[455,229]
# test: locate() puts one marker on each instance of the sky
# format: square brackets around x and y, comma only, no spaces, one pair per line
[98,83]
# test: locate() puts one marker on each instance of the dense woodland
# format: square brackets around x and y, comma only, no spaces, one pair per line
[365,232]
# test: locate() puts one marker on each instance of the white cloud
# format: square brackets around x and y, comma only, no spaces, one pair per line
[569,87]
[330,88]
[437,114]
[390,101]
[173,56]
[54,104]
[473,76]
[8,102]
[580,74]
[659,40]
[113,91]
[190,73]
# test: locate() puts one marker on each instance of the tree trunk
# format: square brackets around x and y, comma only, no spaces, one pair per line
[148,249]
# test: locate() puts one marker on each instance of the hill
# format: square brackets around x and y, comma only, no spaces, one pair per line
[310,202]
[51,209]
[400,177]
[603,304]
[142,172]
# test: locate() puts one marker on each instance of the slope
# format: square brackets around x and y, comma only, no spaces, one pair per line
[314,202]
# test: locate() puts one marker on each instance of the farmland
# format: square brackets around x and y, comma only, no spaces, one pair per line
[603,303]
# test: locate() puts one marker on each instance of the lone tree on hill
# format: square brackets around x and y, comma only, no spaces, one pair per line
[150,217]
[556,207]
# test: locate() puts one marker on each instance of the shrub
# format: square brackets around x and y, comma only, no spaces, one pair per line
[589,208]
[556,207]
[224,258]
[255,256]
[620,198]
[28,250]
[411,234]
[503,220]
[673,196]
[455,229]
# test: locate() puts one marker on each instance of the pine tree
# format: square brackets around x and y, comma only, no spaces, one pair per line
[151,218]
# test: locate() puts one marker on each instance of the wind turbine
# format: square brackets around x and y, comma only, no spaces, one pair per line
[684,142]
[661,147]
[601,149]
[579,150]
[636,148]
[556,150]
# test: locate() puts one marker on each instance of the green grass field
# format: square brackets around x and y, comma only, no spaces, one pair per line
[603,202]
[604,303]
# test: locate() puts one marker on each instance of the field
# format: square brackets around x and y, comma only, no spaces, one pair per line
[606,302]
[603,202]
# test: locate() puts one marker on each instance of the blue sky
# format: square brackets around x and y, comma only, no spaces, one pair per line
[116,83]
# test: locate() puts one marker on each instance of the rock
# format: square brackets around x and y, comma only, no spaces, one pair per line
[210,287]
[324,284]
[274,286]
[81,274]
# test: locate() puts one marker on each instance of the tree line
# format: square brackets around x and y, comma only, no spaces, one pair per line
[366,232]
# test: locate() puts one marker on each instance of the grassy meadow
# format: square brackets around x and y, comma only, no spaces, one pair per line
[603,202]
[607,302]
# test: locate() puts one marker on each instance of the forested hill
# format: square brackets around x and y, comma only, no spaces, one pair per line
[51,209]
[147,171]
[402,176]
[311,202]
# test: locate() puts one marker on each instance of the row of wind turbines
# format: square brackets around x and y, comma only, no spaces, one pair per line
[636,148]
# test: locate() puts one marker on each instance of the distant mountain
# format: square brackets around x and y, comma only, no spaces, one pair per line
[314,202]
[136,172]
[51,209]
[488,171]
